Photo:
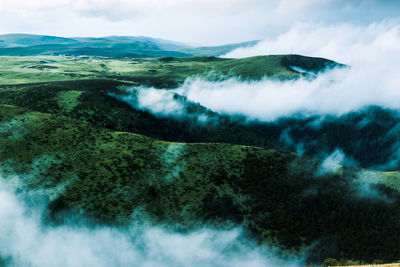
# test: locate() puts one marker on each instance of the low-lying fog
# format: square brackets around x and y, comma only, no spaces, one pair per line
[373,54]
[26,241]
[372,78]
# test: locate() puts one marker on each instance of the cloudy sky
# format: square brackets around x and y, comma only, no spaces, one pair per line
[191,21]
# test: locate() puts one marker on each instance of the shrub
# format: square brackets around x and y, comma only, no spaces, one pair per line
[330,262]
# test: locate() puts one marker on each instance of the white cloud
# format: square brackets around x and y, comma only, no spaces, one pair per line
[373,52]
[373,79]
[345,43]
[287,5]
[26,241]
[159,102]
[204,22]
[332,163]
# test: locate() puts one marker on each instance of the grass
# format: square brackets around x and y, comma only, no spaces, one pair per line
[369,265]
[159,72]
[390,179]
[113,177]
[67,138]
[52,150]
[68,100]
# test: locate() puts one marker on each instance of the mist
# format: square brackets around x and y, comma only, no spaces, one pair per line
[332,163]
[362,99]
[372,78]
[150,99]
[372,52]
[25,240]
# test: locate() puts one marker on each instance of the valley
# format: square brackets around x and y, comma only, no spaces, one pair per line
[67,132]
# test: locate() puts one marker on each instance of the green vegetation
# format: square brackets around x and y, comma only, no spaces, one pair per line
[97,106]
[111,176]
[91,154]
[159,72]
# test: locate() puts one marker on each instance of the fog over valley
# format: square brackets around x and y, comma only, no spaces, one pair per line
[199,133]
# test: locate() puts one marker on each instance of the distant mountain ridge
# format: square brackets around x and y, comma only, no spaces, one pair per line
[109,46]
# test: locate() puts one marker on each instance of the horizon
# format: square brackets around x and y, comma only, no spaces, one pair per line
[196,23]
[129,36]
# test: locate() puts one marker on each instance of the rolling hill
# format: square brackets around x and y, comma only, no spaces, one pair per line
[112,46]
[67,132]
[164,72]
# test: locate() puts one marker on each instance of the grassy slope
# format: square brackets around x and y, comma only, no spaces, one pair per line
[159,72]
[375,265]
[94,80]
[96,162]
[112,176]
[86,94]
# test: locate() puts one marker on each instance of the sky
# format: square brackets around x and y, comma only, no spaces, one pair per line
[196,22]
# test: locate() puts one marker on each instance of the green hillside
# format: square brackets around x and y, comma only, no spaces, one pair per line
[24,40]
[65,133]
[112,177]
[111,46]
[165,72]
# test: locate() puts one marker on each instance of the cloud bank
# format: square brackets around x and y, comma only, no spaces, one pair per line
[26,241]
[373,52]
[158,102]
[346,43]
[335,99]
[373,78]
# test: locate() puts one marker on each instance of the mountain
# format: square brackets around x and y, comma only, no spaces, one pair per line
[12,40]
[112,46]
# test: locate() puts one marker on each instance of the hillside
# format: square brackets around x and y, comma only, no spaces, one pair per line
[67,132]
[92,89]
[165,72]
[111,176]
[112,46]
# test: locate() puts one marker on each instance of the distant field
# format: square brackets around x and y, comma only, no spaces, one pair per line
[160,72]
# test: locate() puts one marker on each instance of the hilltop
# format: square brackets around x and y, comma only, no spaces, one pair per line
[111,46]
[164,72]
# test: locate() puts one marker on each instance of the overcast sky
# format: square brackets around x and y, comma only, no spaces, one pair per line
[207,22]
